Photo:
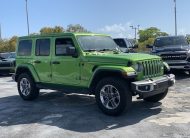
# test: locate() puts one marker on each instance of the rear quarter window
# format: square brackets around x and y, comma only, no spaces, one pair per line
[24,48]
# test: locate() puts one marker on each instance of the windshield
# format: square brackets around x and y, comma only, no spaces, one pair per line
[13,55]
[168,41]
[4,55]
[96,43]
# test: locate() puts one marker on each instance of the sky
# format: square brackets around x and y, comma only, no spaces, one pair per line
[113,17]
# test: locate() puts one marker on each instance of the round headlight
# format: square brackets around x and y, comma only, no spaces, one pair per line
[138,67]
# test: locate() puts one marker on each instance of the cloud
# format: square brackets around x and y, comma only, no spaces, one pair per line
[118,30]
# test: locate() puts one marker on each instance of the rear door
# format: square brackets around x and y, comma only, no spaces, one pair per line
[42,60]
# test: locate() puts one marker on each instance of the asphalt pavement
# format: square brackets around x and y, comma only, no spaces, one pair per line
[56,114]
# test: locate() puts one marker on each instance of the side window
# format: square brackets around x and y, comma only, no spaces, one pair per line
[43,47]
[25,48]
[61,44]
[120,43]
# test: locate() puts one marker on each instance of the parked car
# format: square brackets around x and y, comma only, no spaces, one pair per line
[175,50]
[7,63]
[125,45]
[89,63]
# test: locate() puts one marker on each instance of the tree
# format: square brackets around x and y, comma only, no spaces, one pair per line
[8,45]
[46,30]
[151,32]
[148,36]
[76,28]
[59,29]
[12,43]
[188,38]
[49,30]
[142,45]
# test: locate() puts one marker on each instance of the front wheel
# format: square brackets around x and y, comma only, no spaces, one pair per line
[156,98]
[113,96]
[26,87]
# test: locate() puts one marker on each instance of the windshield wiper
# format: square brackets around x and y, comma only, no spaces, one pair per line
[90,50]
[106,49]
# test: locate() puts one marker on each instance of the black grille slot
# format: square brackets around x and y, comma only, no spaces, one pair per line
[180,56]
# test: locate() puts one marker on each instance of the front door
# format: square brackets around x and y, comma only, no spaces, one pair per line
[42,61]
[65,68]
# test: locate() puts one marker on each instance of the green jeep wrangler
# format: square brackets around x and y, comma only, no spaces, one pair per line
[89,63]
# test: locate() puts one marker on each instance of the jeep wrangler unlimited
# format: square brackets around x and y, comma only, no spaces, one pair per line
[80,63]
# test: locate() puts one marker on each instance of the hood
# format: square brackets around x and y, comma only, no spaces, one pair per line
[121,58]
[172,48]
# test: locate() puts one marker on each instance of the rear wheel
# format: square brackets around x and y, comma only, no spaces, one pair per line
[26,87]
[113,96]
[157,98]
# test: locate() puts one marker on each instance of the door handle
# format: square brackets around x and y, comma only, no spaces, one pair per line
[55,62]
[37,61]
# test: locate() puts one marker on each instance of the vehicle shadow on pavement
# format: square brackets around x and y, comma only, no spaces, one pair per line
[70,112]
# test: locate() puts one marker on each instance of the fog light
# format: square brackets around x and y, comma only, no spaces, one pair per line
[145,88]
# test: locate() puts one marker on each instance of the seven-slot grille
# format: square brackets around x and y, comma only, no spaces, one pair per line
[178,56]
[152,68]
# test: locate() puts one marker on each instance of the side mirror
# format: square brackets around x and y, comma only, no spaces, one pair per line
[71,51]
[136,46]
[149,46]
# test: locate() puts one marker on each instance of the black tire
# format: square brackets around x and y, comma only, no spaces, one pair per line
[156,98]
[33,92]
[122,89]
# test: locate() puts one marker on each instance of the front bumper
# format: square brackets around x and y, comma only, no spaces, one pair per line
[183,65]
[153,86]
[7,70]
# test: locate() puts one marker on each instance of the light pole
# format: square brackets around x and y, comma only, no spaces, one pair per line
[0,32]
[175,13]
[28,27]
[135,28]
